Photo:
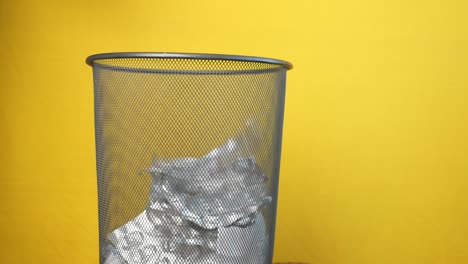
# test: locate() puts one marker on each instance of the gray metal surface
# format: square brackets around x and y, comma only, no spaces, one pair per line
[172,130]
[181,55]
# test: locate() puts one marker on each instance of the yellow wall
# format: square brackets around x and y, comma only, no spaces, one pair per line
[375,165]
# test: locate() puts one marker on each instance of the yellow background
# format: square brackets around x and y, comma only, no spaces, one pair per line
[374,167]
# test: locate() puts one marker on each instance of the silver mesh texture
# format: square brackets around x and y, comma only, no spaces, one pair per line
[155,117]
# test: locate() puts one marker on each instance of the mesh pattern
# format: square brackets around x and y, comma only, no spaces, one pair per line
[149,109]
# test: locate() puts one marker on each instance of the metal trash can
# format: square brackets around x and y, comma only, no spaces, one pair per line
[188,154]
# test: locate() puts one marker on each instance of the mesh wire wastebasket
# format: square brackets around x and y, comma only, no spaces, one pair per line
[188,152]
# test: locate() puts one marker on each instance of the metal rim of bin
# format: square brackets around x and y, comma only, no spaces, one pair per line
[180,55]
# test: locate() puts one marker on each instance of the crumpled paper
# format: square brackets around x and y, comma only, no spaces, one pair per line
[201,210]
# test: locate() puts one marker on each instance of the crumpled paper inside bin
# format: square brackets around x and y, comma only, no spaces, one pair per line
[201,210]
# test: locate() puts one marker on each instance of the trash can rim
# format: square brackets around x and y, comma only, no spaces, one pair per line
[181,55]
